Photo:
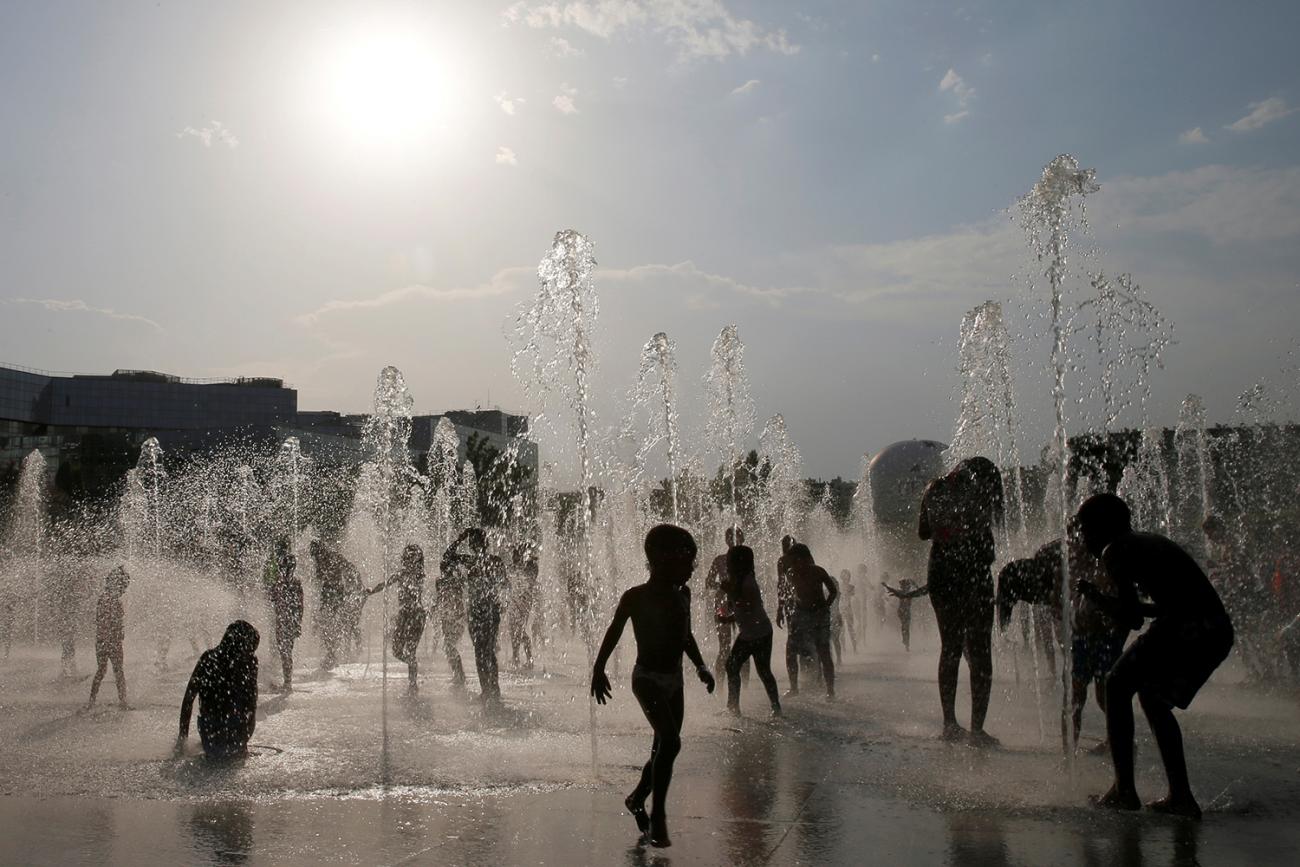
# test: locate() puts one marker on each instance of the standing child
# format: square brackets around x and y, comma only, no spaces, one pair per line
[110,634]
[285,591]
[660,611]
[409,625]
[755,637]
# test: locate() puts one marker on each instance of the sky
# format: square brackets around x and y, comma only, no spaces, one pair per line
[314,190]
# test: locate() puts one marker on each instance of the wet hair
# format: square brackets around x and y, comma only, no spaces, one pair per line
[667,540]
[413,552]
[787,542]
[740,561]
[475,537]
[1106,515]
[241,636]
[735,536]
[799,550]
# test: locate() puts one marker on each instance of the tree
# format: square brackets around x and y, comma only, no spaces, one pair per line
[506,488]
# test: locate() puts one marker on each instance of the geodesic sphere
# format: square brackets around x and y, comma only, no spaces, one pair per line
[899,474]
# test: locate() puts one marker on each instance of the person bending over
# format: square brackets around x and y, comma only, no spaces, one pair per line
[660,611]
[755,639]
[225,683]
[1165,666]
[1097,639]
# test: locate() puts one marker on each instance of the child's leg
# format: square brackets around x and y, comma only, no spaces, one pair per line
[1169,738]
[119,676]
[763,662]
[101,666]
[663,709]
[740,651]
[1121,686]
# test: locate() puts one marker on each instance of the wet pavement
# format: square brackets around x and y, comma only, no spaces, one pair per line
[863,780]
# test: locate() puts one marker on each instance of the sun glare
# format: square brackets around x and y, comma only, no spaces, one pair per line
[383,88]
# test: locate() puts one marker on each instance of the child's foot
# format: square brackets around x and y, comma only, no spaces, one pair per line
[639,815]
[733,709]
[776,711]
[830,695]
[1184,806]
[1116,800]
[659,832]
[984,740]
[953,732]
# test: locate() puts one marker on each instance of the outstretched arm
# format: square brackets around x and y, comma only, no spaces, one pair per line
[600,687]
[923,590]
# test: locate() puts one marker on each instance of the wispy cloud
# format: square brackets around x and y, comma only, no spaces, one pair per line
[564,103]
[1261,114]
[506,157]
[215,132]
[509,104]
[963,92]
[503,282]
[1193,136]
[697,29]
[747,87]
[562,47]
[56,305]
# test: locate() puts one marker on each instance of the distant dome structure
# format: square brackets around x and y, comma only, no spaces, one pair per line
[899,474]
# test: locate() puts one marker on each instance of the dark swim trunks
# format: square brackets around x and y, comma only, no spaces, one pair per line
[1175,657]
[809,629]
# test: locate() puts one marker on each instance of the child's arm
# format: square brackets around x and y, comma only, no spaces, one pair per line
[600,687]
[187,705]
[693,653]
[834,589]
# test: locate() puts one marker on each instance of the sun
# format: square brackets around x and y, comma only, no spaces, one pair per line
[382,87]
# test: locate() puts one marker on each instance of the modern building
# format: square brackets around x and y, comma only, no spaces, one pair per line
[53,412]
[49,411]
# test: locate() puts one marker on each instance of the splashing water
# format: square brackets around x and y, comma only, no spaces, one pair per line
[731,409]
[1047,212]
[655,393]
[1194,468]
[555,358]
[386,437]
[986,422]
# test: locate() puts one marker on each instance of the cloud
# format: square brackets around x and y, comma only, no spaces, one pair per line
[696,29]
[55,305]
[503,282]
[620,81]
[875,58]
[562,47]
[747,87]
[216,132]
[564,102]
[1261,114]
[964,93]
[509,104]
[1193,136]
[506,157]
